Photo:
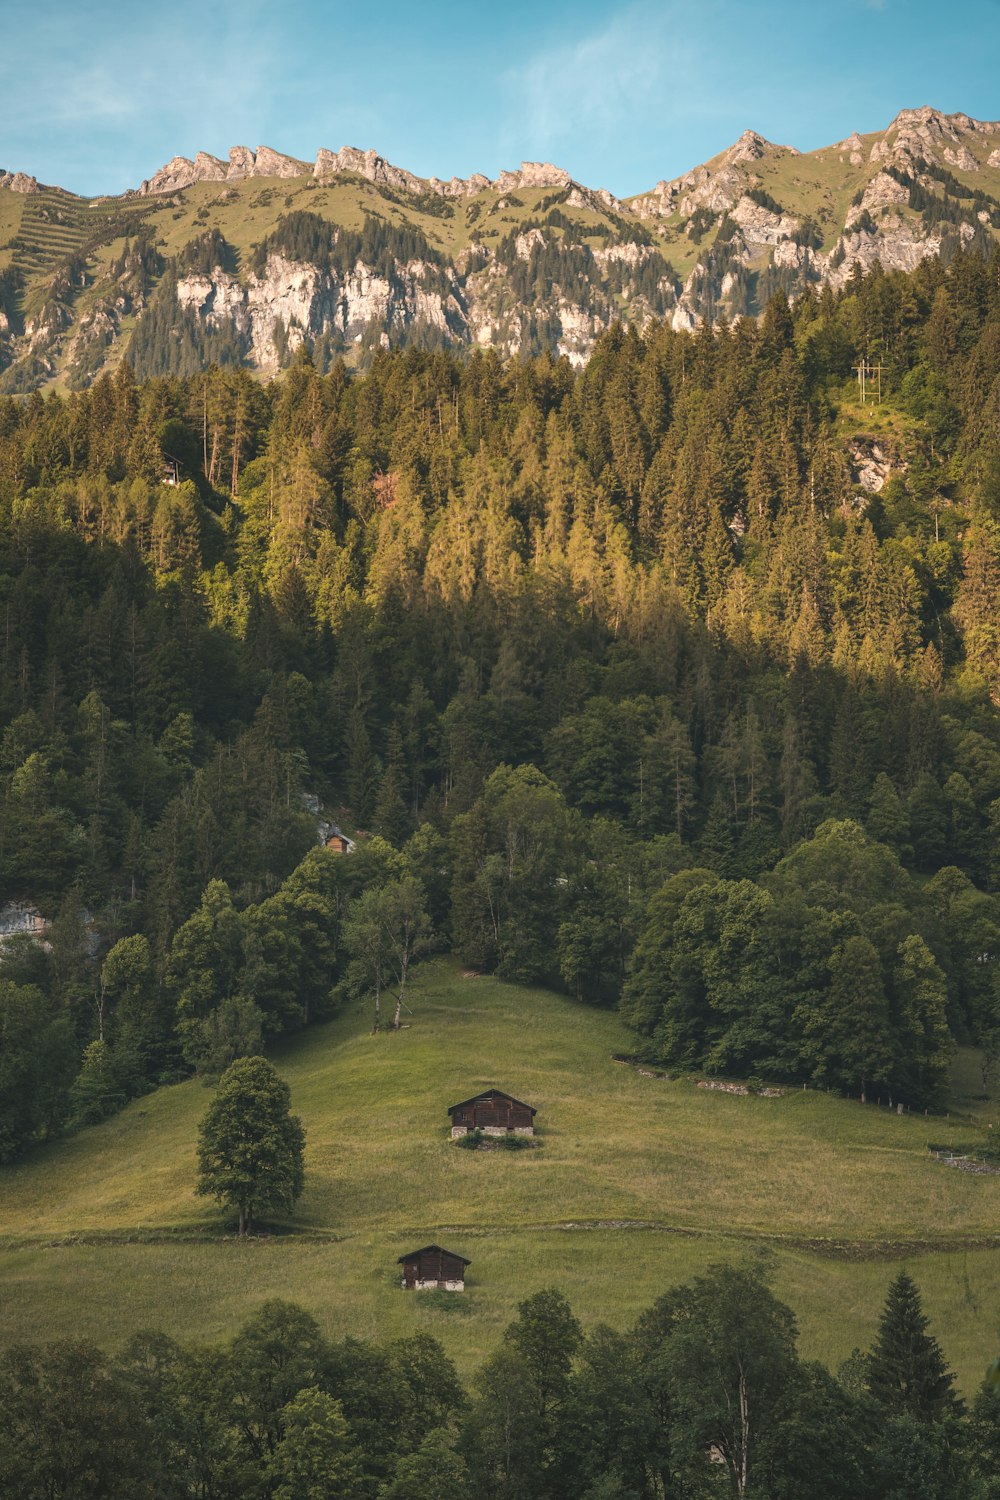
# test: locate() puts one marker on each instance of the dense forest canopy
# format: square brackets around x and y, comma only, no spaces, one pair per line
[620,666]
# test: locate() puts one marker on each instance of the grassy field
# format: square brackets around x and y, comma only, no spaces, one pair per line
[639,1183]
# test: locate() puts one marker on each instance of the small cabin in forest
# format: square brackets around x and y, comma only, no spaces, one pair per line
[494,1113]
[171,470]
[339,843]
[433,1268]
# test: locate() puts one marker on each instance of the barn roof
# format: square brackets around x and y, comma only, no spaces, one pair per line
[489,1094]
[441,1251]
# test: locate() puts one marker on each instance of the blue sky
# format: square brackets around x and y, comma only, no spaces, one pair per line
[96,96]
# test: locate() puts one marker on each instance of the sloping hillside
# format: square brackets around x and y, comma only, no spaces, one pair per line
[638,1182]
[240,261]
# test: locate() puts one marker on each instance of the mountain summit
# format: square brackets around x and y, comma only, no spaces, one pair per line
[241,259]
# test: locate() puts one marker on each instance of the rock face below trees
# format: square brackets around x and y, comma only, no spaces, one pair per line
[528,260]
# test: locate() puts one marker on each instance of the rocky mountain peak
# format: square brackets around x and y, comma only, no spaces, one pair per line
[751,147]
[271,163]
[540,174]
[926,134]
[368,164]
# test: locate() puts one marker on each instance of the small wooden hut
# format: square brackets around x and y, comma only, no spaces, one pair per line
[494,1113]
[171,472]
[433,1268]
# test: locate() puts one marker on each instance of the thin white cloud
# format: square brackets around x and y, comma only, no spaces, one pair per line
[187,80]
[594,83]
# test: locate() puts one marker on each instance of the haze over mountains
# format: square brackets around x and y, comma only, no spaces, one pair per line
[240,260]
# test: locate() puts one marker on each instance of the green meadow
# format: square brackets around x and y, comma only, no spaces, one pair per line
[639,1182]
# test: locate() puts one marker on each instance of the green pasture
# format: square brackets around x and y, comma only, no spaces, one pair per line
[639,1182]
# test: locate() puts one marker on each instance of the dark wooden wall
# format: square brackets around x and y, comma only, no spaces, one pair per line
[433,1265]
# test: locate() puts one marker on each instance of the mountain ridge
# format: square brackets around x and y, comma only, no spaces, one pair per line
[212,257]
[925,122]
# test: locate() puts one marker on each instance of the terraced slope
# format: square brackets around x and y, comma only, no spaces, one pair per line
[638,1183]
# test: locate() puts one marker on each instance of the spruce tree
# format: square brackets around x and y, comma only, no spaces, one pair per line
[717,843]
[888,819]
[361,774]
[391,817]
[907,1373]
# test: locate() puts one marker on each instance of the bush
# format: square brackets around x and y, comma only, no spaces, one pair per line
[511,1142]
[475,1140]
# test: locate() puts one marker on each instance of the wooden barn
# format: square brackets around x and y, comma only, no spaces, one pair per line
[433,1269]
[494,1113]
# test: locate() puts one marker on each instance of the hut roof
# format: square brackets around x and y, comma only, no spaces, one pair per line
[489,1094]
[440,1250]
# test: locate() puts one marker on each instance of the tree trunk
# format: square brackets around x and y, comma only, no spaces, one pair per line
[243,1220]
[744,1436]
[403,968]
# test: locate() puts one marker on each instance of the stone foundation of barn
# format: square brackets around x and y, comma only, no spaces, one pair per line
[437,1286]
[460,1130]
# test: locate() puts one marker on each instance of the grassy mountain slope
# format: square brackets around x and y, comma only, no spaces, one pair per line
[639,1183]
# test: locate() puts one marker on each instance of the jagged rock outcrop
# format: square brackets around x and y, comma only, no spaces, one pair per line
[181,173]
[533,174]
[459,187]
[241,163]
[18,182]
[872,462]
[853,148]
[928,135]
[270,163]
[897,246]
[882,192]
[751,147]
[367,164]
[290,301]
[761,226]
[717,185]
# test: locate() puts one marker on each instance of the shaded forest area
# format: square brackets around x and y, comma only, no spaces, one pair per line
[639,692]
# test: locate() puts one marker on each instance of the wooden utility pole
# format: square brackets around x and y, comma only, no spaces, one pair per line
[869,374]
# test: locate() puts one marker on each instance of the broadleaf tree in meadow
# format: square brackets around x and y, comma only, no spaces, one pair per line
[250,1145]
[385,929]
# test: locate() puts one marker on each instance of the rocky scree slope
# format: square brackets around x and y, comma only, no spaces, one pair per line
[240,260]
